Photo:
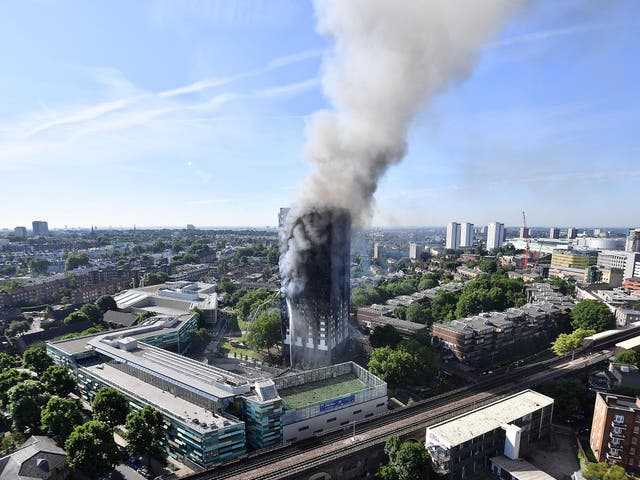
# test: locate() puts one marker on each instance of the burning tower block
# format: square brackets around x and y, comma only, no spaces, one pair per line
[315,267]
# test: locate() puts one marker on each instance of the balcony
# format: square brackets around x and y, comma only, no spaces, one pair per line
[613,458]
[615,445]
[618,424]
[616,433]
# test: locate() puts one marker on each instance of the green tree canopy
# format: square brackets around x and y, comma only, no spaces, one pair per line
[154,278]
[92,312]
[36,359]
[200,339]
[75,260]
[627,357]
[592,315]
[385,336]
[39,265]
[407,461]
[566,342]
[418,314]
[106,302]
[16,327]
[60,416]
[7,362]
[25,402]
[411,363]
[252,301]
[10,378]
[604,471]
[266,330]
[91,449]
[110,406]
[58,381]
[144,431]
[75,317]
[571,396]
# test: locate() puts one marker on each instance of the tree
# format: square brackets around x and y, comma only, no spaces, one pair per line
[7,362]
[144,431]
[603,471]
[36,359]
[266,330]
[16,327]
[92,312]
[200,339]
[627,357]
[75,317]
[106,302]
[418,314]
[91,449]
[39,265]
[571,396]
[58,381]
[566,342]
[225,285]
[10,378]
[488,266]
[110,406]
[60,416]
[407,461]
[75,260]
[25,401]
[154,278]
[385,336]
[592,315]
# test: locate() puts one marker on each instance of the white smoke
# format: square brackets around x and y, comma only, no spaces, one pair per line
[390,57]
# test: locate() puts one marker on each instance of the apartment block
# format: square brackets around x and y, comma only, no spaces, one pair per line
[615,430]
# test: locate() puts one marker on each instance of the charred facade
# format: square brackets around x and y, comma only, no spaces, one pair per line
[316,246]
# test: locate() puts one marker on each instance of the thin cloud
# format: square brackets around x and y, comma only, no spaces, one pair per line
[290,89]
[543,35]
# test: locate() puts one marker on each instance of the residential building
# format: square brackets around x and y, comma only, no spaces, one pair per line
[615,430]
[378,251]
[554,232]
[372,317]
[632,268]
[632,283]
[489,335]
[633,241]
[463,446]
[453,236]
[282,216]
[466,235]
[20,231]
[495,235]
[572,232]
[615,376]
[415,250]
[40,227]
[574,258]
[524,232]
[38,458]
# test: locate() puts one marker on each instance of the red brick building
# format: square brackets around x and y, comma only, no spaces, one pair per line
[632,283]
[615,430]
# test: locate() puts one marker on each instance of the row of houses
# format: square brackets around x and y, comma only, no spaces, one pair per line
[490,334]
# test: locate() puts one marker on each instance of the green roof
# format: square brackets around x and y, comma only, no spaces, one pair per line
[321,391]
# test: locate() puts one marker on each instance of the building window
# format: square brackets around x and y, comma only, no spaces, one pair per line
[368,415]
[632,451]
[635,429]
[634,440]
[306,427]
[356,412]
[345,422]
[332,419]
[618,418]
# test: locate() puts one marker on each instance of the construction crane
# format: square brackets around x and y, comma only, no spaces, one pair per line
[525,234]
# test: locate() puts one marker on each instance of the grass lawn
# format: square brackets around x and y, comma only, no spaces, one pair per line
[226,347]
[302,395]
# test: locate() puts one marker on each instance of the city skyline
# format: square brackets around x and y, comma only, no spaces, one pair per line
[188,115]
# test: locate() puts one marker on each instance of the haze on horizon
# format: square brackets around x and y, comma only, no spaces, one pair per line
[164,113]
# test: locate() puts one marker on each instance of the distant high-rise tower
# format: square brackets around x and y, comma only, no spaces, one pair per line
[495,235]
[524,232]
[453,236]
[633,241]
[414,251]
[40,227]
[319,306]
[554,232]
[378,251]
[20,231]
[572,232]
[466,235]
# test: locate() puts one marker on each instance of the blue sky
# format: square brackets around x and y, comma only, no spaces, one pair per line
[167,113]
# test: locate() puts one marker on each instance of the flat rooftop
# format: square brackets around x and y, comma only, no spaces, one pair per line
[321,391]
[521,469]
[160,399]
[470,425]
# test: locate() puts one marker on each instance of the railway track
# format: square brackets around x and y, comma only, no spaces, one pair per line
[490,390]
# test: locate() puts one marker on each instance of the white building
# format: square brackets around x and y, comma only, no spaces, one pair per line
[453,236]
[414,251]
[554,232]
[572,232]
[495,235]
[466,235]
[378,251]
[462,446]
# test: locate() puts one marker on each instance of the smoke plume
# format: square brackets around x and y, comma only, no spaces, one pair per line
[389,58]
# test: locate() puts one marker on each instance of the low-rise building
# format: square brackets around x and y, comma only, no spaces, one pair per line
[38,458]
[462,446]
